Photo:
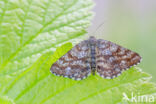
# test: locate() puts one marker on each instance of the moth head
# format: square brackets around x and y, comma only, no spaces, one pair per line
[92,39]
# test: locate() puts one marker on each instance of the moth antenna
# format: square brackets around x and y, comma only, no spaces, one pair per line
[97,29]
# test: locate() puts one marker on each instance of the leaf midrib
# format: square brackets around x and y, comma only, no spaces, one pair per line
[22,74]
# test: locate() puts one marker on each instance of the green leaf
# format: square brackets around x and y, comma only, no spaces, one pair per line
[38,85]
[30,32]
[6,100]
[31,28]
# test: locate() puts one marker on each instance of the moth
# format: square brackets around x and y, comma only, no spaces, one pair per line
[96,56]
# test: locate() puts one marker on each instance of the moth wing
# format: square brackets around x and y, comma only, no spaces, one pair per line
[112,59]
[75,63]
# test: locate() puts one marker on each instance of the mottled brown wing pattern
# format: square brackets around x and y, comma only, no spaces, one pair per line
[112,59]
[75,63]
[106,58]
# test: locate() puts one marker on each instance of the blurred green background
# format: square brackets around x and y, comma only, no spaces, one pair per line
[130,23]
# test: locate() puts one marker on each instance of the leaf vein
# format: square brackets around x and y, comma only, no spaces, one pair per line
[27,42]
